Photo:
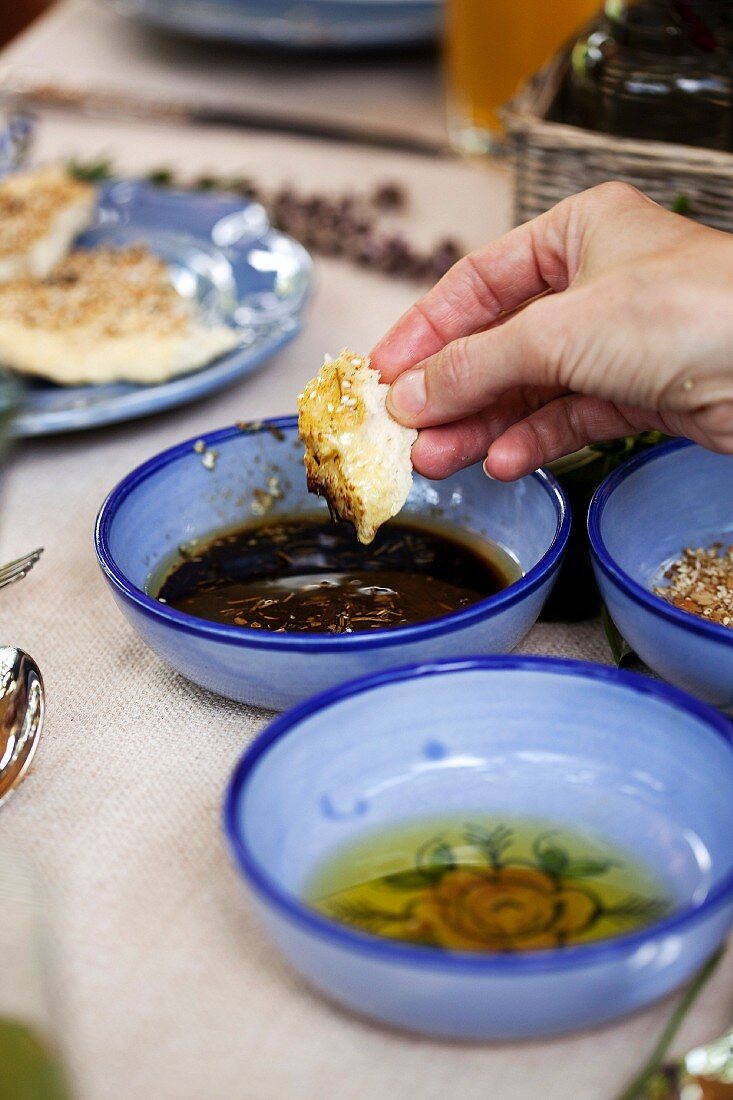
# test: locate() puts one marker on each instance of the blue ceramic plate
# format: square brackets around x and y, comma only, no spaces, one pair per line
[222,252]
[293,24]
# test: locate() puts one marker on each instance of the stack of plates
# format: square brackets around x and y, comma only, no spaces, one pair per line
[293,24]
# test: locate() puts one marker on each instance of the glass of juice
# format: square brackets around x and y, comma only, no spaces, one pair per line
[491,47]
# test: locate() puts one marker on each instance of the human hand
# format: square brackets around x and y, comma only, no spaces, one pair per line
[633,332]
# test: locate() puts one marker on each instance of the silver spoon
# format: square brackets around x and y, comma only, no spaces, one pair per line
[22,701]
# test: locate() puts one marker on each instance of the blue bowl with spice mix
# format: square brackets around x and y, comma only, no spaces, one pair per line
[225,479]
[643,517]
[606,769]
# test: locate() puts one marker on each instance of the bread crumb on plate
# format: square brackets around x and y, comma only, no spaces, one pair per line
[356,455]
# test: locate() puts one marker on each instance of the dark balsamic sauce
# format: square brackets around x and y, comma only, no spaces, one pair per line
[303,575]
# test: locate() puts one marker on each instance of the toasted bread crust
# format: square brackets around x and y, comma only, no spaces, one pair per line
[356,456]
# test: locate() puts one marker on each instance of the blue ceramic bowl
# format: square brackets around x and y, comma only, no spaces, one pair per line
[174,498]
[630,761]
[640,518]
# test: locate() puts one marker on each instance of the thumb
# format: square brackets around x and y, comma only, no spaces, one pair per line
[472,373]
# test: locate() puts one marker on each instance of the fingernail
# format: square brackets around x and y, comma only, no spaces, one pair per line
[486,470]
[408,394]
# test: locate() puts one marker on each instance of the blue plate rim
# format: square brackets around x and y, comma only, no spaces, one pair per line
[398,25]
[313,643]
[630,587]
[581,955]
[124,409]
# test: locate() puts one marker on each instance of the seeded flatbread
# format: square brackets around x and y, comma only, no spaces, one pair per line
[105,315]
[41,212]
[356,455]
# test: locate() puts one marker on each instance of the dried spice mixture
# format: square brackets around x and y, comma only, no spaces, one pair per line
[701,582]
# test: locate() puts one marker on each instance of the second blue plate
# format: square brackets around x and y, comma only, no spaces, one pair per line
[293,24]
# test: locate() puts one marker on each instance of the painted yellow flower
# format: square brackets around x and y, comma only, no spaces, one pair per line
[503,909]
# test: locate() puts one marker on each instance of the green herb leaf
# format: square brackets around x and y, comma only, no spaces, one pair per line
[90,171]
[616,451]
[621,651]
[662,1086]
[29,1067]
[205,183]
[582,480]
[161,177]
[681,204]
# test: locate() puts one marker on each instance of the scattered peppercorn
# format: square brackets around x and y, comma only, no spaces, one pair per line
[346,225]
[389,196]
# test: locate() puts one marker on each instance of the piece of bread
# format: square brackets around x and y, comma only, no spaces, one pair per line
[106,315]
[41,212]
[356,455]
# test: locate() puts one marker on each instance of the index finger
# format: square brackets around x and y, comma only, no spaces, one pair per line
[495,279]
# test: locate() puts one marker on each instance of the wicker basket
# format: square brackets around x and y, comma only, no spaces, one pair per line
[554,160]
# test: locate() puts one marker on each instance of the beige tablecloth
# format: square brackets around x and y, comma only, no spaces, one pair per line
[85,44]
[169,990]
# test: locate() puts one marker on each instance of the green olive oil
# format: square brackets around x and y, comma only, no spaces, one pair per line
[493,886]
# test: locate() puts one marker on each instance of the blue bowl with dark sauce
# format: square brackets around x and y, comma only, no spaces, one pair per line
[178,496]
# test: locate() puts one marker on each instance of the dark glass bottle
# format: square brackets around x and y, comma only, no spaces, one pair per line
[660,70]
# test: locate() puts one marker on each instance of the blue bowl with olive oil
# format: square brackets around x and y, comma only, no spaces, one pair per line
[495,848]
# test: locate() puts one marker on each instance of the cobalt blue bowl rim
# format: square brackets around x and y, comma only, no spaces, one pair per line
[620,577]
[309,920]
[311,643]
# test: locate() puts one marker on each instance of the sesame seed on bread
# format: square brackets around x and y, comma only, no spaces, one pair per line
[356,455]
